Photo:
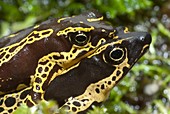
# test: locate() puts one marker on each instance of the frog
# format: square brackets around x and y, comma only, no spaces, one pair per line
[59,51]
[106,67]
[28,56]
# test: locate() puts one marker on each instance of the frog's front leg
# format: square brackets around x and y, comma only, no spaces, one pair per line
[93,93]
[10,102]
[42,77]
[49,67]
[75,105]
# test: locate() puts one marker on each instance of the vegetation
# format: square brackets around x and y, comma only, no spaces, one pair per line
[146,88]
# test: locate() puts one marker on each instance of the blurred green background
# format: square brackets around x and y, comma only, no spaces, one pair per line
[146,88]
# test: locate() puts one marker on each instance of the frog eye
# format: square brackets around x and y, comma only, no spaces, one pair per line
[79,38]
[116,54]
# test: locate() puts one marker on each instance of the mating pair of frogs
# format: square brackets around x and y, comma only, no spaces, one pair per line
[74,60]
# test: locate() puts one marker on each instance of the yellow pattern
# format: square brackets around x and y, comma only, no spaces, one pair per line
[6,53]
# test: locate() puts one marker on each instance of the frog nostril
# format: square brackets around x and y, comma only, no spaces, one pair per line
[142,38]
[146,39]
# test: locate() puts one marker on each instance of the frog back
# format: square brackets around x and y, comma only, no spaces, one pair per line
[20,52]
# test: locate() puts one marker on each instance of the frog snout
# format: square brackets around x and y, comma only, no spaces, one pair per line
[146,39]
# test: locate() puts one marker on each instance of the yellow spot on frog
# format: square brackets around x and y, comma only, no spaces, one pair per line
[95,19]
[12,35]
[59,20]
[74,29]
[115,37]
[146,46]
[103,30]
[126,30]
[112,34]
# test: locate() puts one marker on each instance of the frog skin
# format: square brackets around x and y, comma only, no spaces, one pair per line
[54,84]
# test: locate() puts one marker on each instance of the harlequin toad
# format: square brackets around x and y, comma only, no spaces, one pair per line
[74,60]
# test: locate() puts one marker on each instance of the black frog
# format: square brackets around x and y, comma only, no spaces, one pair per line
[74,60]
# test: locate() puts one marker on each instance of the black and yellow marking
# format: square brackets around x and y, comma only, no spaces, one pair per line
[91,41]
[8,52]
[95,19]
[99,91]
[74,29]
[10,102]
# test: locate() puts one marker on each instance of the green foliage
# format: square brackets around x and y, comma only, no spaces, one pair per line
[163,30]
[24,109]
[18,14]
[118,7]
[43,107]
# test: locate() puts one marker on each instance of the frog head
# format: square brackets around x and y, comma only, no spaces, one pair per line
[94,77]
[80,36]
